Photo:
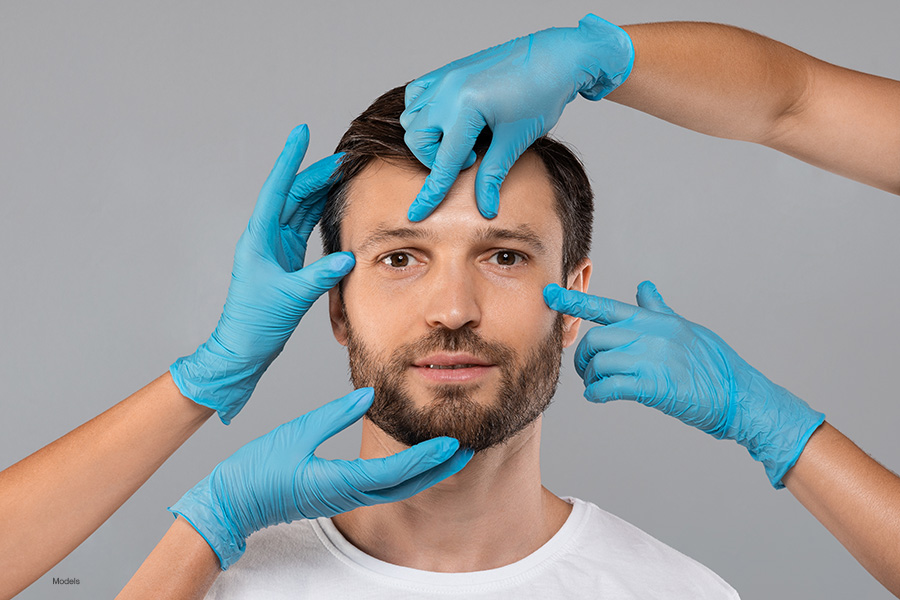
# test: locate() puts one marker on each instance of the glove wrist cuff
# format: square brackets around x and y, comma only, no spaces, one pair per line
[199,509]
[608,57]
[213,378]
[777,428]
[778,464]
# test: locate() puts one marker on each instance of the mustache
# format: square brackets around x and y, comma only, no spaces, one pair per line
[464,339]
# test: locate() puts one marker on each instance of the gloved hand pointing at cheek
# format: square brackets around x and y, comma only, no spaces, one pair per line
[650,354]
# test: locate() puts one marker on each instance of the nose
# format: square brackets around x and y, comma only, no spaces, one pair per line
[453,297]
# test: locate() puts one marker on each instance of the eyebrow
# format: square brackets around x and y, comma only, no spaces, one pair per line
[521,233]
[382,234]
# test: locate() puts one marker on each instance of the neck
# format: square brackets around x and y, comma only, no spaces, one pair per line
[492,513]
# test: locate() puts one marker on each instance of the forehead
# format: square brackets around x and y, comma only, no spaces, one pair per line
[380,195]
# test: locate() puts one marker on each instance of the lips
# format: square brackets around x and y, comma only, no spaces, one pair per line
[451,361]
[452,368]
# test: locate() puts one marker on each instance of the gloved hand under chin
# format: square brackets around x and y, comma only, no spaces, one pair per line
[649,354]
[270,288]
[277,478]
[519,90]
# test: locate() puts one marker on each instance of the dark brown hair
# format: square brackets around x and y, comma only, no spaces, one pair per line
[377,133]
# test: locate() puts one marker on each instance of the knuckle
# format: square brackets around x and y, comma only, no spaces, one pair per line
[414,89]
[605,307]
[419,142]
[594,336]
[615,391]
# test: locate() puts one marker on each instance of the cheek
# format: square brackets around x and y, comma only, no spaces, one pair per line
[374,310]
[522,318]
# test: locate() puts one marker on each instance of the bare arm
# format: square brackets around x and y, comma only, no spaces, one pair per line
[855,498]
[182,566]
[732,83]
[54,499]
[276,479]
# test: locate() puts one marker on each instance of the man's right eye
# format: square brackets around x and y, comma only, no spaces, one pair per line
[398,260]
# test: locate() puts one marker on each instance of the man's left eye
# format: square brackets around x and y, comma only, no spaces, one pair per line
[507,258]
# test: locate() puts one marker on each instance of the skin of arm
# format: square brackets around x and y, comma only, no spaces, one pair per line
[54,499]
[732,83]
[855,498]
[182,566]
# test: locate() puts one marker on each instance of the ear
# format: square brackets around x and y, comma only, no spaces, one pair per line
[577,280]
[338,318]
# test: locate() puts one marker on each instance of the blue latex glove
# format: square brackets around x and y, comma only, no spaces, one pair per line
[277,478]
[519,90]
[650,354]
[270,288]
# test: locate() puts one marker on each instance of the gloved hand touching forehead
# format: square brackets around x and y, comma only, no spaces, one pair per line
[519,90]
[270,289]
[650,354]
[277,478]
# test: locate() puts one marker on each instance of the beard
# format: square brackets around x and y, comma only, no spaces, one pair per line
[527,385]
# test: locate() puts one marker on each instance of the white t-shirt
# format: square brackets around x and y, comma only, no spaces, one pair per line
[593,555]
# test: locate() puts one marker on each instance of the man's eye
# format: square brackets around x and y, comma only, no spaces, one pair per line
[507,258]
[398,260]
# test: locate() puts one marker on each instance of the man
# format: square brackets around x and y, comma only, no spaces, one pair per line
[445,319]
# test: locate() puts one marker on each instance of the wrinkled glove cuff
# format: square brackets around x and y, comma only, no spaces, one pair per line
[777,428]
[212,378]
[778,463]
[199,509]
[611,54]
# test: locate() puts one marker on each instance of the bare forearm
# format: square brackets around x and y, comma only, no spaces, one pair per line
[182,566]
[707,77]
[54,499]
[855,498]
[731,83]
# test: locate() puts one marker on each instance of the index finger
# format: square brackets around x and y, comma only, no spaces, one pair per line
[604,311]
[275,190]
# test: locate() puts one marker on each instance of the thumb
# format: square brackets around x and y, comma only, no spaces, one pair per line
[310,282]
[320,424]
[648,297]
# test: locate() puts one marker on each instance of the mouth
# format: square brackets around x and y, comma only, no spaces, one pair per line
[451,361]
[449,368]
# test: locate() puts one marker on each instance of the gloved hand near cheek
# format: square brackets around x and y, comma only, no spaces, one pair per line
[277,478]
[270,287]
[519,90]
[649,354]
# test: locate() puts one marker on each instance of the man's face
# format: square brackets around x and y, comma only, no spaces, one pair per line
[445,318]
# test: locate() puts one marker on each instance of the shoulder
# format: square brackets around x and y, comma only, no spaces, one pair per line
[622,552]
[269,566]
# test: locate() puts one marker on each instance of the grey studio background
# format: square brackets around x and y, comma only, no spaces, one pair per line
[134,138]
